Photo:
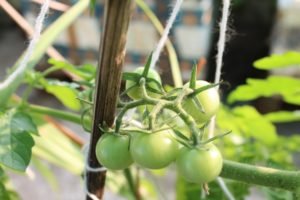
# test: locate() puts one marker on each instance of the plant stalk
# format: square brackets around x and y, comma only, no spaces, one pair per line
[68,116]
[269,177]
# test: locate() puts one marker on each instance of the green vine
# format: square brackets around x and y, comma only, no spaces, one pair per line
[289,180]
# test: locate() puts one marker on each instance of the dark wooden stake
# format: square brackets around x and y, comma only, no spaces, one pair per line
[112,53]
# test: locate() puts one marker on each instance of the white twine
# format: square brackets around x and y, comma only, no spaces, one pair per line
[219,58]
[164,37]
[219,64]
[88,168]
[222,39]
[32,44]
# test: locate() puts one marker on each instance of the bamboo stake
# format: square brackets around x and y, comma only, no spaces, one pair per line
[112,54]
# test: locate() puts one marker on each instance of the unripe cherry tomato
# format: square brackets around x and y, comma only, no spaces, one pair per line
[209,100]
[112,151]
[154,150]
[200,164]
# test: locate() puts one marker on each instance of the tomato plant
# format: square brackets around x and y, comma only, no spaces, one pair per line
[112,151]
[201,164]
[254,137]
[154,150]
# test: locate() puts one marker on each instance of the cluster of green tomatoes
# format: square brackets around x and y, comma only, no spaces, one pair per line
[156,147]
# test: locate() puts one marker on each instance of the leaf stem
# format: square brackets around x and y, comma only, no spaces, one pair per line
[68,116]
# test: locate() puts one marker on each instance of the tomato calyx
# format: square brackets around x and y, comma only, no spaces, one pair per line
[152,81]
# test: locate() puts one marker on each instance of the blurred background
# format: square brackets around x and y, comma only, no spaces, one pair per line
[256,30]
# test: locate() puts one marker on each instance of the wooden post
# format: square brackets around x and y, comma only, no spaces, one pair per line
[111,59]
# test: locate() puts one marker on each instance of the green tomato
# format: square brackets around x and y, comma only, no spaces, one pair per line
[154,150]
[200,164]
[112,151]
[136,92]
[209,100]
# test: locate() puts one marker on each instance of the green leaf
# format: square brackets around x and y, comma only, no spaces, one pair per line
[67,93]
[245,120]
[283,116]
[278,61]
[181,135]
[21,122]
[255,125]
[216,137]
[196,101]
[15,143]
[153,90]
[131,76]
[158,84]
[86,71]
[286,87]
[201,89]
[193,78]
[147,66]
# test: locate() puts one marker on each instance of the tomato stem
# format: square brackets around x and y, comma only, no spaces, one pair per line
[289,180]
[155,111]
[175,106]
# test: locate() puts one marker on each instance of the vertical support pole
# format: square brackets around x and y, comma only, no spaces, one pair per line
[111,59]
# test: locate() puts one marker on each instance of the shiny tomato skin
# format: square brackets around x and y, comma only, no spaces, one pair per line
[136,92]
[112,151]
[154,150]
[209,99]
[200,164]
